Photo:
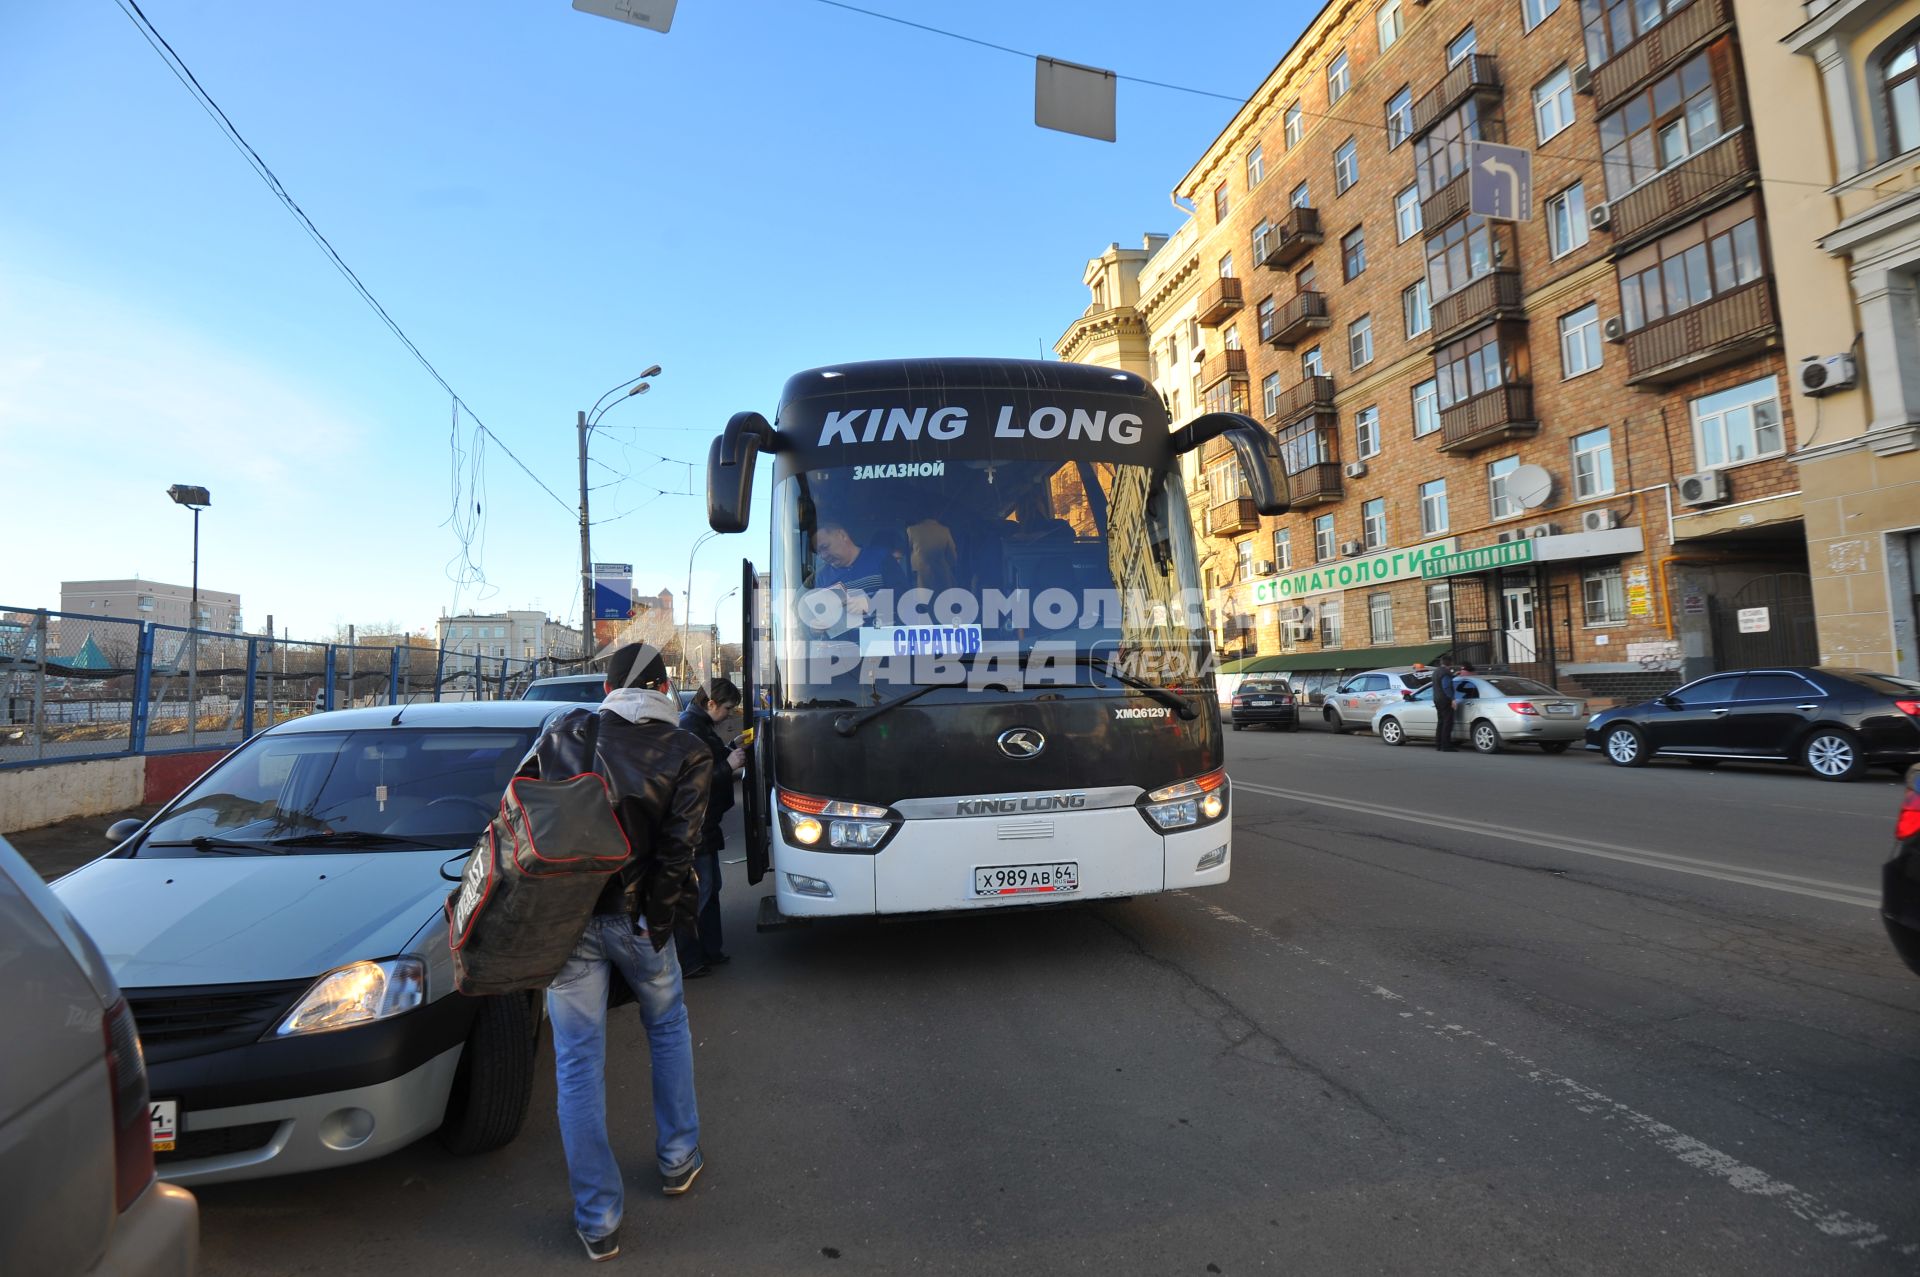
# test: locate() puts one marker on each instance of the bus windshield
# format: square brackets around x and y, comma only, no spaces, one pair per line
[977,571]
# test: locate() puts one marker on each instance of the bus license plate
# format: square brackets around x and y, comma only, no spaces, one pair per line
[1026,880]
[164,1117]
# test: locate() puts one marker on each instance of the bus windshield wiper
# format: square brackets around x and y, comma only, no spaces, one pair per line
[849,723]
[1172,700]
[353,838]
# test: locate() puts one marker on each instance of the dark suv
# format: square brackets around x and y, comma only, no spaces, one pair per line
[1268,701]
[1833,722]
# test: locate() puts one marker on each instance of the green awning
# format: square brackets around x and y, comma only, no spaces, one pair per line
[1352,658]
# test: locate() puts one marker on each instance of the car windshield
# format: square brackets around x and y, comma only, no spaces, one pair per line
[388,789]
[584,690]
[1886,684]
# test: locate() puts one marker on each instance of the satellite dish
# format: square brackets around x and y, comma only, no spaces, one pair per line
[1530,486]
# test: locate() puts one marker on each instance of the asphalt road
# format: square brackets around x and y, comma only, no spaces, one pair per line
[1452,1014]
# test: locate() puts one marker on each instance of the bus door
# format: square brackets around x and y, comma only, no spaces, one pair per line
[753,795]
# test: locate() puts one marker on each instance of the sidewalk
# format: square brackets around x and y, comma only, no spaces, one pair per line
[54,850]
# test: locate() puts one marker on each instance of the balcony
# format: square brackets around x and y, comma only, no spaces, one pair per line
[1659,51]
[1311,394]
[1228,363]
[1220,301]
[1689,188]
[1293,237]
[1231,518]
[1491,417]
[1495,295]
[1446,203]
[1318,484]
[1476,75]
[1305,313]
[1730,327]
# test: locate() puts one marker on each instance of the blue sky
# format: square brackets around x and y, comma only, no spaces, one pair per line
[547,202]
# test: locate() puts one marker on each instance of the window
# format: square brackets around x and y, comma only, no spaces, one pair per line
[1474,365]
[1567,220]
[1266,313]
[1777,687]
[1553,104]
[1501,503]
[1612,25]
[1338,81]
[1467,249]
[1353,252]
[1292,125]
[1300,198]
[1406,214]
[1380,616]
[1245,549]
[1534,12]
[1230,337]
[1688,268]
[1902,71]
[1220,202]
[1605,598]
[1256,166]
[1366,433]
[1416,308]
[1346,167]
[1440,610]
[1262,242]
[1373,523]
[1225,482]
[1433,507]
[1426,408]
[1226,266]
[1660,125]
[1399,116]
[1440,155]
[1360,342]
[1460,46]
[1311,364]
[1306,279]
[1324,546]
[1593,463]
[1270,393]
[1388,21]
[1329,625]
[1736,425]
[1305,446]
[1282,549]
[1580,341]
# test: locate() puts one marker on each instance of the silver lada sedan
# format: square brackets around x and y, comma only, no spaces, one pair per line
[1499,710]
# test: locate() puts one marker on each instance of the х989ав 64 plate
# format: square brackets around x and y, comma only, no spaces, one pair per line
[1019,880]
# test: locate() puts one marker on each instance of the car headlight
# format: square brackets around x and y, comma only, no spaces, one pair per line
[845,826]
[1188,804]
[358,993]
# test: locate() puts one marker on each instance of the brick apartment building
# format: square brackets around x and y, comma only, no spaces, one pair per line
[1558,444]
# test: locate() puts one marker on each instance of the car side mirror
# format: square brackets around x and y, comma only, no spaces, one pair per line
[1671,702]
[121,830]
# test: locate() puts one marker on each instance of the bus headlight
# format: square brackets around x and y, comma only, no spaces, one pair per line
[1187,805]
[842,825]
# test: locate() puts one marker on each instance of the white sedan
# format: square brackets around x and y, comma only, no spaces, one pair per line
[1498,710]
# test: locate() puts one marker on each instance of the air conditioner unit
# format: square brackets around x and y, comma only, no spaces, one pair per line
[1615,329]
[1349,548]
[1582,78]
[1298,632]
[1355,469]
[1537,530]
[1511,534]
[1263,567]
[1820,376]
[1302,614]
[1600,216]
[1598,521]
[1707,488]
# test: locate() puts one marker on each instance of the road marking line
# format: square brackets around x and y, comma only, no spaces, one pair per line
[1686,1149]
[1819,889]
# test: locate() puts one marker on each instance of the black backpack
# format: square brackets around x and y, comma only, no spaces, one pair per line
[533,878]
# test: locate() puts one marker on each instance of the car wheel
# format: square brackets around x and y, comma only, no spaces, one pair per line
[1625,746]
[1833,753]
[1486,739]
[1554,746]
[1332,716]
[494,1084]
[1707,764]
[1391,733]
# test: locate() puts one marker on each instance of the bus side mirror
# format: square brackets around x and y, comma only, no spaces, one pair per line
[730,470]
[1258,453]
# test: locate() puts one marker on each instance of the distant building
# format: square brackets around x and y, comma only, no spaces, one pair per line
[102,603]
[514,634]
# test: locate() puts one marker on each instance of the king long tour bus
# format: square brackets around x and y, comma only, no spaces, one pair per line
[989,674]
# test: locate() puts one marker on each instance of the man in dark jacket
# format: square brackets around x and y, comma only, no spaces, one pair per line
[1443,693]
[659,777]
[700,949]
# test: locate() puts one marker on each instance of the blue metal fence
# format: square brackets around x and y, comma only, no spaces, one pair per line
[74,686]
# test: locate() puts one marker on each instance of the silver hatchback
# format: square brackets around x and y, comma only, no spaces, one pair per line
[1499,710]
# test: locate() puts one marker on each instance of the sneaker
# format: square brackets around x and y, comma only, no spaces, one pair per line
[600,1249]
[702,970]
[674,1185]
[719,959]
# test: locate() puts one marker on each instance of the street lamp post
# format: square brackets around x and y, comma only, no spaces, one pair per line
[713,636]
[195,499]
[686,604]
[585,423]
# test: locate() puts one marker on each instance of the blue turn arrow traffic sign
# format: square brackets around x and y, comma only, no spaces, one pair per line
[1501,181]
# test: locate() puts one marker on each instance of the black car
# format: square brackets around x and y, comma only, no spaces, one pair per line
[1266,701]
[1834,722]
[1900,881]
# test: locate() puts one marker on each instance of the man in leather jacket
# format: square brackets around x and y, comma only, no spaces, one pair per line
[659,777]
[700,948]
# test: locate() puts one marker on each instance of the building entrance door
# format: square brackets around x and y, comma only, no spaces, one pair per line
[1516,618]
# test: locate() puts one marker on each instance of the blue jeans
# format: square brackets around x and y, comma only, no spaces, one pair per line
[696,950]
[577,1008]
